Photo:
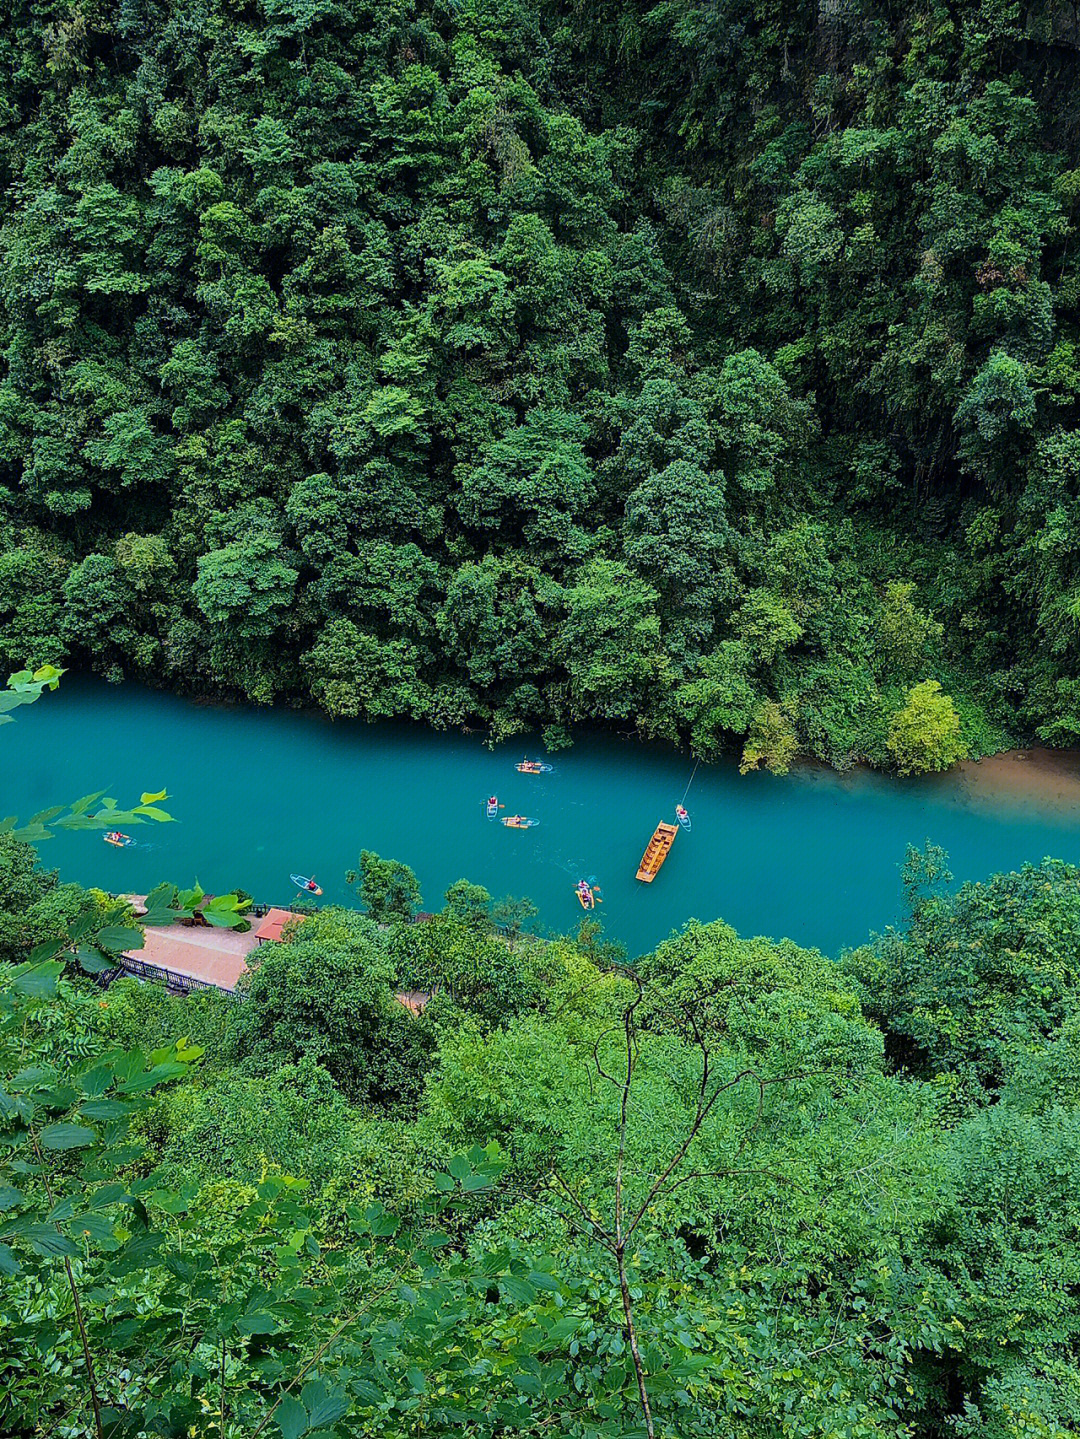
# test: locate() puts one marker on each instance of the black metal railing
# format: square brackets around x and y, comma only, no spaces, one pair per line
[182,983]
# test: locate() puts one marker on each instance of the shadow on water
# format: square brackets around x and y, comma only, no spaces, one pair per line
[261,794]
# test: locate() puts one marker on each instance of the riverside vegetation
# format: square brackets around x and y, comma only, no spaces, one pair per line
[710,368]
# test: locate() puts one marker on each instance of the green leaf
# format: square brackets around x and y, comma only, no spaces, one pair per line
[8,1263]
[48,949]
[81,925]
[152,813]
[95,1226]
[116,938]
[43,816]
[256,1324]
[90,962]
[151,1078]
[416,1379]
[67,1136]
[37,982]
[82,805]
[459,1167]
[103,1108]
[9,1197]
[520,1290]
[292,1418]
[153,798]
[44,1239]
[155,917]
[222,919]
[367,1392]
[323,1405]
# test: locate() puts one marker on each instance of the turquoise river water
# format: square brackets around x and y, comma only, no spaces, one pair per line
[260,794]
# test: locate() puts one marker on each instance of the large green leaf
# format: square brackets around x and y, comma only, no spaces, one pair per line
[292,1418]
[153,813]
[82,805]
[91,962]
[367,1392]
[37,982]
[323,1404]
[161,896]
[45,1240]
[151,1078]
[104,1109]
[67,1136]
[98,1227]
[119,939]
[43,816]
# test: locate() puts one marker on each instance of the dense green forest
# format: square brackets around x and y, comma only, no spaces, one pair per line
[705,367]
[737,1190]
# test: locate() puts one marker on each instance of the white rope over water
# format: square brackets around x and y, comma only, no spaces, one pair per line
[689,782]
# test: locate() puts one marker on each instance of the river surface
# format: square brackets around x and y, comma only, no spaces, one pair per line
[260,794]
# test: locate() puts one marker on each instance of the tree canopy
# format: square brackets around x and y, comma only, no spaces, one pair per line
[709,371]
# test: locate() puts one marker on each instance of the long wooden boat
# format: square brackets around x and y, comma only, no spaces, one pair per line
[656,851]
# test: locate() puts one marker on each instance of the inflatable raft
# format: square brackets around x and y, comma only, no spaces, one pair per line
[307,885]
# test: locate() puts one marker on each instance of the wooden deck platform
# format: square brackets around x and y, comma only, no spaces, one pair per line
[195,954]
[189,956]
[656,851]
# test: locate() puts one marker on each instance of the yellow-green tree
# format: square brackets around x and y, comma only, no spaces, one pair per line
[925,734]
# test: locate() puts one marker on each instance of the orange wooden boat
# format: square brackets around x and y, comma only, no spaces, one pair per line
[656,851]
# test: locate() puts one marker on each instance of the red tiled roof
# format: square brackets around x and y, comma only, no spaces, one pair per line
[274,922]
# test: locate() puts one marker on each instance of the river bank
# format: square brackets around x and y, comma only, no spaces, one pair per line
[1036,778]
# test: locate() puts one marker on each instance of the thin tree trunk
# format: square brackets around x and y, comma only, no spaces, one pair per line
[91,1378]
[631,1339]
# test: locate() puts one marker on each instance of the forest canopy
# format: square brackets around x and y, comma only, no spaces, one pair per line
[710,369]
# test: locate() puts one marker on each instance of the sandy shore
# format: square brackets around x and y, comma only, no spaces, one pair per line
[1047,779]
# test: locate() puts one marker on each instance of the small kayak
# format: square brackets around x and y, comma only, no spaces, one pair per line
[120,840]
[533,766]
[682,816]
[586,898]
[493,807]
[307,885]
[519,821]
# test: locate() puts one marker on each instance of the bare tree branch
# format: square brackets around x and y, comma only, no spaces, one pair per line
[708,1093]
